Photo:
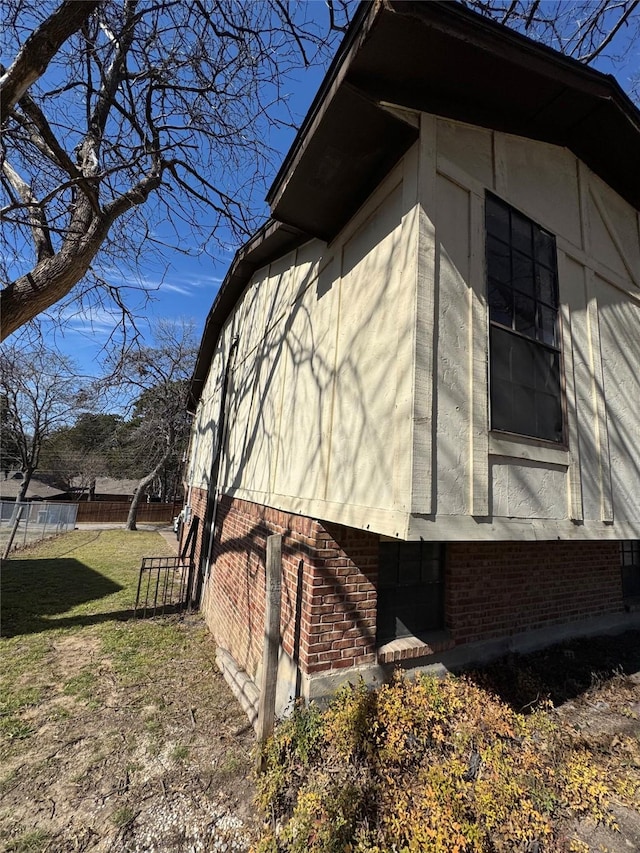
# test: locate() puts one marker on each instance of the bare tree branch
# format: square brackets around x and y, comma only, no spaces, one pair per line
[37,218]
[39,49]
[609,37]
[149,98]
[38,390]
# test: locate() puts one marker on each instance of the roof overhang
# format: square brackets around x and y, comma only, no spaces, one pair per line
[441,58]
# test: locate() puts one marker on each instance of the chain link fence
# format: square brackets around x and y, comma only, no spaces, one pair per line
[22,523]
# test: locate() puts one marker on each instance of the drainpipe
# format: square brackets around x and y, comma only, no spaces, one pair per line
[194,459]
[212,503]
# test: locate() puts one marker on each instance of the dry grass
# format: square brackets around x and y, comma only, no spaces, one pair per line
[116,733]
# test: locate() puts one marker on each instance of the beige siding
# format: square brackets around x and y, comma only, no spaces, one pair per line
[359,386]
[322,380]
[591,487]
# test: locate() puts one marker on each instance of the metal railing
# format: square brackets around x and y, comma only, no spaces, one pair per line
[23,523]
[163,586]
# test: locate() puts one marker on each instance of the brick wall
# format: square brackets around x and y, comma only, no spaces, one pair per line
[495,589]
[329,597]
[328,586]
[198,502]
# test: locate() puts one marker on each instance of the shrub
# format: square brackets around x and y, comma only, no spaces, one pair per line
[431,766]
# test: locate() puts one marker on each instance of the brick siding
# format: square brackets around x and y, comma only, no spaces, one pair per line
[329,595]
[329,579]
[495,589]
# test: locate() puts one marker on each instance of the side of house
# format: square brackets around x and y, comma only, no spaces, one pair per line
[435,406]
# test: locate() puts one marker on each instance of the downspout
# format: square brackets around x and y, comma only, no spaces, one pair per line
[212,503]
[193,460]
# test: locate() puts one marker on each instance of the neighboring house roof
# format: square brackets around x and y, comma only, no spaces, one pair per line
[42,487]
[108,485]
[438,57]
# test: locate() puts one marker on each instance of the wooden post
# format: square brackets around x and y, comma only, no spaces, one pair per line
[267,703]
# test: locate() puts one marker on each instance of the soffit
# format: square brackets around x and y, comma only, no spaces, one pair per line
[443,59]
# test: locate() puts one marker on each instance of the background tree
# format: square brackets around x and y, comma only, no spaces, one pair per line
[9,442]
[40,393]
[109,105]
[81,453]
[158,430]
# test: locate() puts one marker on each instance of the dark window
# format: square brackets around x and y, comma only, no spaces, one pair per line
[410,589]
[630,558]
[522,292]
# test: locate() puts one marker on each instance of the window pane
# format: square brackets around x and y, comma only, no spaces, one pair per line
[416,607]
[549,417]
[525,377]
[525,315]
[498,261]
[501,405]
[631,582]
[409,574]
[500,354]
[523,357]
[500,304]
[546,282]
[523,420]
[545,248]
[523,278]
[630,569]
[521,234]
[497,219]
[388,564]
[431,563]
[546,370]
[547,325]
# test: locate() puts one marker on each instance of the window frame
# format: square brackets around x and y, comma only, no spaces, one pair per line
[531,342]
[630,560]
[430,554]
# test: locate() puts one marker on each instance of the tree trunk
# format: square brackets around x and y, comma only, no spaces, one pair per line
[133,509]
[24,485]
[51,279]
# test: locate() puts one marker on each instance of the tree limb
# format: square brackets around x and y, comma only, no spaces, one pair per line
[37,218]
[589,57]
[39,49]
[51,279]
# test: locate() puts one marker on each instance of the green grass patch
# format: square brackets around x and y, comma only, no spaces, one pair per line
[13,728]
[76,590]
[138,649]
[83,685]
[34,841]
[19,699]
[180,752]
[122,816]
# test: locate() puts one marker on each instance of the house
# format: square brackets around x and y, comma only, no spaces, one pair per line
[42,487]
[104,489]
[423,371]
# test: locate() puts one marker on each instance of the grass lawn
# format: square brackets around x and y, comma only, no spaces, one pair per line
[113,730]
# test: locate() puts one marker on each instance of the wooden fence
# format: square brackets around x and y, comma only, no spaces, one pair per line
[116,511]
